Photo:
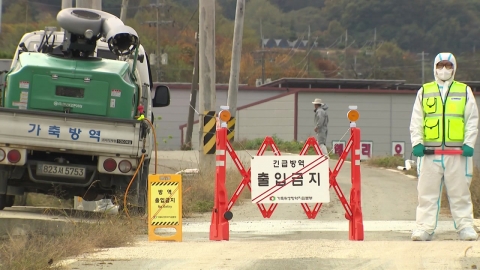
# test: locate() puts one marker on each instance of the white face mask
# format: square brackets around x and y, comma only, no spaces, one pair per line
[444,74]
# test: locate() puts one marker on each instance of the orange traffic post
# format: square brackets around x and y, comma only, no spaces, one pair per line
[356,231]
[219,227]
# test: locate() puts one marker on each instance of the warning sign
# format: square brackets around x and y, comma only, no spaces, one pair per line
[165,205]
[398,149]
[290,179]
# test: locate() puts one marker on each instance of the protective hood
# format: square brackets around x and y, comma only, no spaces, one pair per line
[324,106]
[440,57]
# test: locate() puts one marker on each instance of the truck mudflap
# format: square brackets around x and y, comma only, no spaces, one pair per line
[40,130]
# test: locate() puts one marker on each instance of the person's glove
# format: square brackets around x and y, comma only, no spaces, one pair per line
[467,151]
[418,150]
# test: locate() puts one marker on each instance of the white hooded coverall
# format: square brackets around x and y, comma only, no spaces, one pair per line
[453,171]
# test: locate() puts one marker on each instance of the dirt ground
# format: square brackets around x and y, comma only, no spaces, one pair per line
[288,240]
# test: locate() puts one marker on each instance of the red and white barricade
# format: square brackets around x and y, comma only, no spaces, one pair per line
[222,211]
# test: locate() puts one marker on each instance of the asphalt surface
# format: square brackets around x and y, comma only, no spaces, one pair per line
[288,240]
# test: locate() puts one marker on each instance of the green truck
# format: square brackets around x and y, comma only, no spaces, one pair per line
[76,112]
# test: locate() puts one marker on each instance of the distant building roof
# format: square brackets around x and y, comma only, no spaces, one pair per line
[352,84]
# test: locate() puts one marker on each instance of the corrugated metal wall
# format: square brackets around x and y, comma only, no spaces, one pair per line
[275,117]
[168,132]
[383,117]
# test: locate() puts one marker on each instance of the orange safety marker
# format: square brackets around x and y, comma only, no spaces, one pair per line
[356,231]
[165,205]
[219,227]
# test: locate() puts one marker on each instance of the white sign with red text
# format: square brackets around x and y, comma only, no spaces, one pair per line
[290,179]
[366,149]
[338,147]
[398,149]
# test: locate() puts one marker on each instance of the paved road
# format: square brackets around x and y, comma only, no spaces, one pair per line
[290,241]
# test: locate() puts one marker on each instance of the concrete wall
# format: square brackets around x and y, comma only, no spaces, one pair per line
[176,114]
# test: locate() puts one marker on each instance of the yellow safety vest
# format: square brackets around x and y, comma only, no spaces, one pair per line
[444,121]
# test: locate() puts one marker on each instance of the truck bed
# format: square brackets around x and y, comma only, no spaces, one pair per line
[73,133]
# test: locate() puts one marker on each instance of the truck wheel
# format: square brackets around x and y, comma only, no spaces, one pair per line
[3,201]
[9,200]
[21,200]
[137,194]
[143,187]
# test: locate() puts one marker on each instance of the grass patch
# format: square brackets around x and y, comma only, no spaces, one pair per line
[38,249]
[391,162]
[42,200]
[386,162]
[198,190]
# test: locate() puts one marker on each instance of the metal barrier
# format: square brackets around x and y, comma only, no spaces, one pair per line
[219,228]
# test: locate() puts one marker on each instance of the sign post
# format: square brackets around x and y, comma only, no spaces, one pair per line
[165,205]
[356,231]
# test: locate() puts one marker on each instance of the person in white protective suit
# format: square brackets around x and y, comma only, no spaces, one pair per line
[444,116]
[320,122]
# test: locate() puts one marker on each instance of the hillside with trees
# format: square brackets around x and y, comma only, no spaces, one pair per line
[371,39]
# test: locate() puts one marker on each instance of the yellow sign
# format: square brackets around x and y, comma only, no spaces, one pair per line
[165,205]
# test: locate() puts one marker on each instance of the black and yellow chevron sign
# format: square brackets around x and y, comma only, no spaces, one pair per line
[209,132]
[231,128]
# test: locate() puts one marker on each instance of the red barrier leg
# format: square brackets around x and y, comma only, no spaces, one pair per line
[356,223]
[219,227]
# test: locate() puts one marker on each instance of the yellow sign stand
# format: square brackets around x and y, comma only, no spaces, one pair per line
[164,205]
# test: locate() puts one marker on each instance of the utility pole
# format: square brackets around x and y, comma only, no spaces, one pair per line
[157,24]
[207,79]
[374,52]
[262,59]
[308,52]
[236,57]
[65,3]
[123,12]
[84,3]
[158,58]
[1,16]
[263,52]
[193,96]
[423,65]
[97,4]
[345,56]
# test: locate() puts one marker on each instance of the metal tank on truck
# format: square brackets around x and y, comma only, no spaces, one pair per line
[76,112]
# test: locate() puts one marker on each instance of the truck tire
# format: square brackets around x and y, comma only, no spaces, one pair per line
[3,201]
[9,200]
[143,187]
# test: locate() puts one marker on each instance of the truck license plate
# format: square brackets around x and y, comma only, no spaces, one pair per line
[48,169]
